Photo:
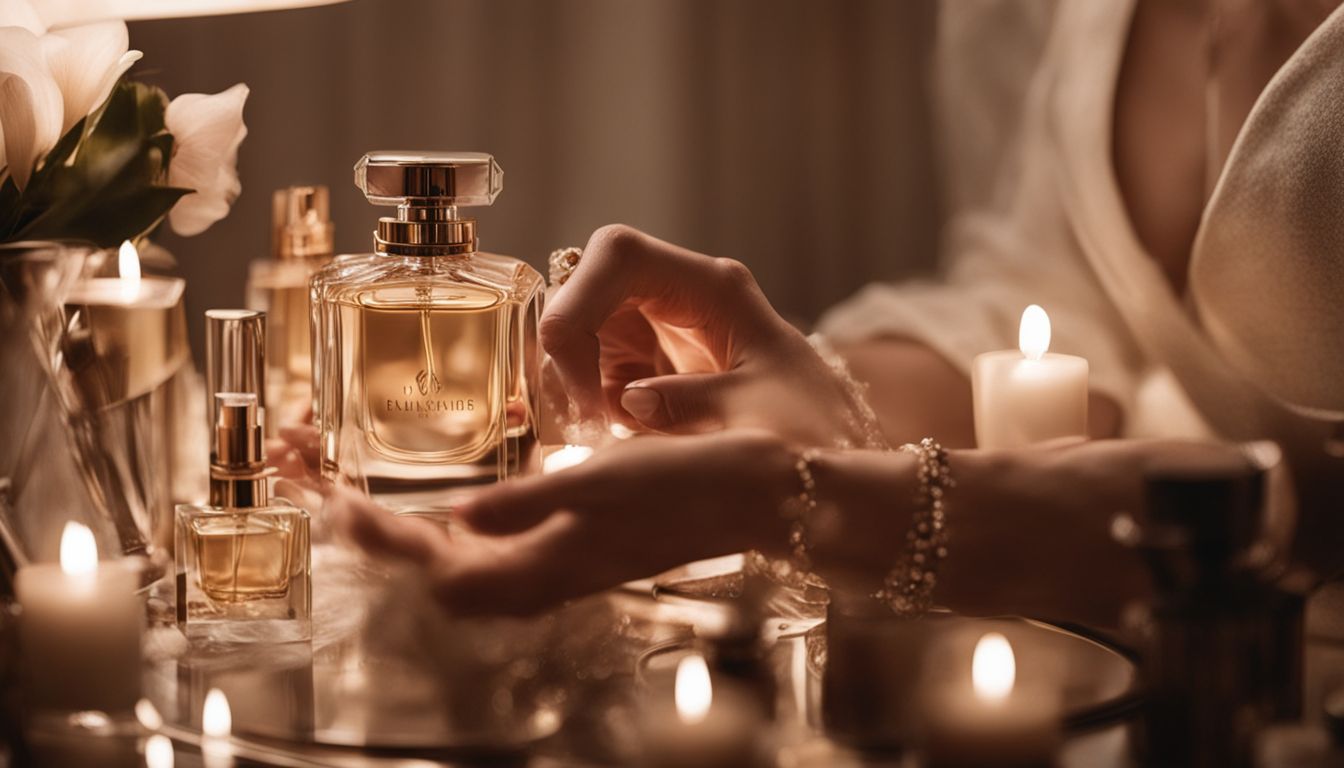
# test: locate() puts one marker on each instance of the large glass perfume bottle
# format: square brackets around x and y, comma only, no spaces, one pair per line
[301,244]
[244,560]
[427,346]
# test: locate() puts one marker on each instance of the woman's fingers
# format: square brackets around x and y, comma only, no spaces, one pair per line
[304,439]
[519,504]
[680,404]
[380,532]
[521,574]
[621,264]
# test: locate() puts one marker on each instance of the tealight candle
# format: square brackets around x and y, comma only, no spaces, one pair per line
[216,729]
[137,326]
[564,458]
[159,752]
[80,630]
[708,726]
[996,722]
[1029,395]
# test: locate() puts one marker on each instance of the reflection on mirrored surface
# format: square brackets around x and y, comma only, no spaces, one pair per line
[387,670]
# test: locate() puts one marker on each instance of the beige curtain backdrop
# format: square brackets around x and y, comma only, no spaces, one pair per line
[794,135]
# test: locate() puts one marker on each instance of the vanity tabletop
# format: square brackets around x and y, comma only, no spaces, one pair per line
[388,681]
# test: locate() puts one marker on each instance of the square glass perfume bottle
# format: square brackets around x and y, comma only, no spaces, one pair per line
[244,570]
[427,348]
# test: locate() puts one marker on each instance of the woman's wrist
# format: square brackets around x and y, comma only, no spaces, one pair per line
[864,505]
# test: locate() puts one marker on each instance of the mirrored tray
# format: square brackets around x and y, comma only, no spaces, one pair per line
[387,675]
[1095,678]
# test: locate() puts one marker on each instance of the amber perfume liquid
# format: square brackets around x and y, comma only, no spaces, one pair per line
[425,349]
[280,289]
[243,557]
[427,391]
[244,575]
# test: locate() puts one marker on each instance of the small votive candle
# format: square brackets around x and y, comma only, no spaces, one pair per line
[216,731]
[1028,395]
[996,721]
[80,631]
[708,724]
[137,327]
[565,457]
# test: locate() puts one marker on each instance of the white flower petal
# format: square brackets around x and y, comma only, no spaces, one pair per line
[30,102]
[207,130]
[21,13]
[86,62]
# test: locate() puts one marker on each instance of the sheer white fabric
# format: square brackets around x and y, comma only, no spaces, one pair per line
[1258,351]
[1009,243]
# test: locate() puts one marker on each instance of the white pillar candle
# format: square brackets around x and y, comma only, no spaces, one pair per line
[138,327]
[81,629]
[1028,396]
[996,722]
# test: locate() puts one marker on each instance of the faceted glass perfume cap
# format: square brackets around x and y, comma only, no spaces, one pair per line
[429,178]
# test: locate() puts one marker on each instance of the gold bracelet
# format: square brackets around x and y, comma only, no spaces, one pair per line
[861,417]
[794,571]
[562,263]
[908,587]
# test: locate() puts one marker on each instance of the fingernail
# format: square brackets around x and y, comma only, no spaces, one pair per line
[641,402]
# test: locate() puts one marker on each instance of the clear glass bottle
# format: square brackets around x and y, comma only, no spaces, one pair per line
[427,346]
[244,570]
[301,244]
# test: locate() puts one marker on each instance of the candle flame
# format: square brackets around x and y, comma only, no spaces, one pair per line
[1033,334]
[993,668]
[128,266]
[216,717]
[694,692]
[159,752]
[79,552]
[564,458]
[148,715]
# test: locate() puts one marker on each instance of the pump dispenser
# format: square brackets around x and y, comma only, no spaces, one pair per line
[238,471]
[427,345]
[301,244]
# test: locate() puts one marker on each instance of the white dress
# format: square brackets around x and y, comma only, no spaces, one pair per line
[1256,351]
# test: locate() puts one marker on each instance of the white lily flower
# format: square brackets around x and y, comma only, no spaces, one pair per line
[206,129]
[86,62]
[21,13]
[31,105]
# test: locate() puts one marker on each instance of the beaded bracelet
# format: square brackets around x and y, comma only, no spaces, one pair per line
[908,587]
[794,571]
[861,417]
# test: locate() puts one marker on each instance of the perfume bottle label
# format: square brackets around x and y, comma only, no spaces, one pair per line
[429,402]
[430,377]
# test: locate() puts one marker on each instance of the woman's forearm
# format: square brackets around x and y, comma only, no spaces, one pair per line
[1029,530]
[916,392]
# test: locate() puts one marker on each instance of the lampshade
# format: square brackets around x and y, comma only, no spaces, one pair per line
[65,13]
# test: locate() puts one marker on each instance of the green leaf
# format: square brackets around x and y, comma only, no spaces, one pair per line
[110,219]
[103,180]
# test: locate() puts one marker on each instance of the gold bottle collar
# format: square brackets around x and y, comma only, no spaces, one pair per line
[404,237]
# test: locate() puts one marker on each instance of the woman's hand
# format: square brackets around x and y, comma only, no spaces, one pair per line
[635,509]
[662,338]
[1029,530]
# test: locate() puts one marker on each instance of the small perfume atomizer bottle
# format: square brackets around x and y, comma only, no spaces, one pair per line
[302,242]
[243,560]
